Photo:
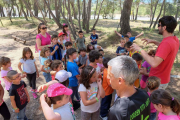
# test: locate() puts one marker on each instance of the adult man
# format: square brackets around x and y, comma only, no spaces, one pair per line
[166,52]
[131,104]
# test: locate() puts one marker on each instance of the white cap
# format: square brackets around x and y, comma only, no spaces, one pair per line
[63,75]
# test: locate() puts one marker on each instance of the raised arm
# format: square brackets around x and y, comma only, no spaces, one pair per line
[101,89]
[118,33]
[139,34]
[147,41]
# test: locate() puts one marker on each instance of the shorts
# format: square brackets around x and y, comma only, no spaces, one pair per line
[163,86]
[143,84]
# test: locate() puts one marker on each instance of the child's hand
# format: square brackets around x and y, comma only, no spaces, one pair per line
[17,110]
[142,32]
[23,75]
[99,81]
[56,47]
[50,45]
[42,88]
[37,74]
[43,96]
[28,99]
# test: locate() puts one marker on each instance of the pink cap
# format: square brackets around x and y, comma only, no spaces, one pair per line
[58,89]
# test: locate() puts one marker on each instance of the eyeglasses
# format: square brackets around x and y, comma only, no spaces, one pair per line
[44,28]
[17,77]
[159,25]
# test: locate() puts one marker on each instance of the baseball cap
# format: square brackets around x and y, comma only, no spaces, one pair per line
[58,89]
[63,75]
[61,33]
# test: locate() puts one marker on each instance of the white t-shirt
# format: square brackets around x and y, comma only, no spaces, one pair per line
[98,70]
[63,52]
[66,112]
[28,66]
[91,93]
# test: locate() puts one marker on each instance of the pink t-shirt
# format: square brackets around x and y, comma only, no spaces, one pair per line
[161,116]
[3,74]
[44,40]
[153,110]
[100,65]
[67,37]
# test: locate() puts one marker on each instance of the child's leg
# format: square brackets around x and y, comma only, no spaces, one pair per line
[75,93]
[33,81]
[4,111]
[47,76]
[105,105]
[86,116]
[21,115]
[29,77]
[95,115]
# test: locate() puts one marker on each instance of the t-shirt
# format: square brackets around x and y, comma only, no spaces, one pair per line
[91,93]
[67,37]
[82,60]
[161,116]
[42,62]
[4,74]
[28,66]
[63,52]
[153,110]
[120,50]
[135,107]
[132,53]
[148,67]
[66,111]
[80,42]
[105,83]
[20,95]
[57,55]
[131,38]
[74,69]
[167,50]
[44,40]
[100,65]
[93,37]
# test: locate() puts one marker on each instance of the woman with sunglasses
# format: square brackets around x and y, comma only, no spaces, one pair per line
[43,39]
[67,33]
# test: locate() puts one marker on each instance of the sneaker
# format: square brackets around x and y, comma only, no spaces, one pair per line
[33,90]
[34,95]
[103,118]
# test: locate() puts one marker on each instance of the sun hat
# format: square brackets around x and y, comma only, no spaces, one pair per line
[58,89]
[63,75]
[61,33]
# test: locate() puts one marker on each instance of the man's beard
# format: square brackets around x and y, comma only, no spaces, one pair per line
[160,32]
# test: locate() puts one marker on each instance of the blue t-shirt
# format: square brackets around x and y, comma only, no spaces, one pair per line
[74,69]
[57,55]
[93,37]
[42,62]
[120,50]
[131,38]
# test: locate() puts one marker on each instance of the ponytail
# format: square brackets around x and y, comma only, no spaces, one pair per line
[53,100]
[175,106]
[48,100]
[47,63]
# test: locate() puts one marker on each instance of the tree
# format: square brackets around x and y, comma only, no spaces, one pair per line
[35,8]
[137,2]
[177,11]
[125,16]
[96,9]
[154,13]
[79,20]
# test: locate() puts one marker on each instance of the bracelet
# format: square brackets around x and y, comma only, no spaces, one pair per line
[47,45]
[140,50]
[97,99]
[47,86]
[15,108]
[22,71]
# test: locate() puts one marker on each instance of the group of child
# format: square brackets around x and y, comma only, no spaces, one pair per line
[86,76]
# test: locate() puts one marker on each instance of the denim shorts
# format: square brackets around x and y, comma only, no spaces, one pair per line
[47,76]
[152,116]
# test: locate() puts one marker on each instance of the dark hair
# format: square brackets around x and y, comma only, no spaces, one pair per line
[64,31]
[53,100]
[93,29]
[170,23]
[4,61]
[68,43]
[86,75]
[101,50]
[25,50]
[137,57]
[164,98]
[53,64]
[70,51]
[80,32]
[88,50]
[65,83]
[94,55]
[11,73]
[54,36]
[39,26]
[126,36]
[152,52]
[153,82]
[105,61]
[128,44]
[82,50]
[43,50]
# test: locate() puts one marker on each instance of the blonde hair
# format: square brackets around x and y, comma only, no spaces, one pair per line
[153,82]
[43,50]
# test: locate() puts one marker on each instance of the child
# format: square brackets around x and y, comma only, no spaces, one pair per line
[45,52]
[18,94]
[62,42]
[152,84]
[5,63]
[56,49]
[67,33]
[82,58]
[80,41]
[94,37]
[29,68]
[74,69]
[145,70]
[167,106]
[100,63]
[138,58]
[127,47]
[130,36]
[101,51]
[121,50]
[55,104]
[91,91]
[67,45]
[106,101]
[4,111]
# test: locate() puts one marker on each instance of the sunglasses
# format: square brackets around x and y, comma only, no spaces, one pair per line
[159,25]
[44,28]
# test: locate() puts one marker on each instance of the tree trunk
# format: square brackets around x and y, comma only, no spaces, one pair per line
[98,15]
[164,8]
[88,15]
[84,14]
[137,11]
[95,10]
[18,9]
[35,8]
[154,13]
[177,11]
[22,9]
[151,9]
[159,14]
[56,10]
[79,20]
[74,10]
[125,17]
[38,7]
